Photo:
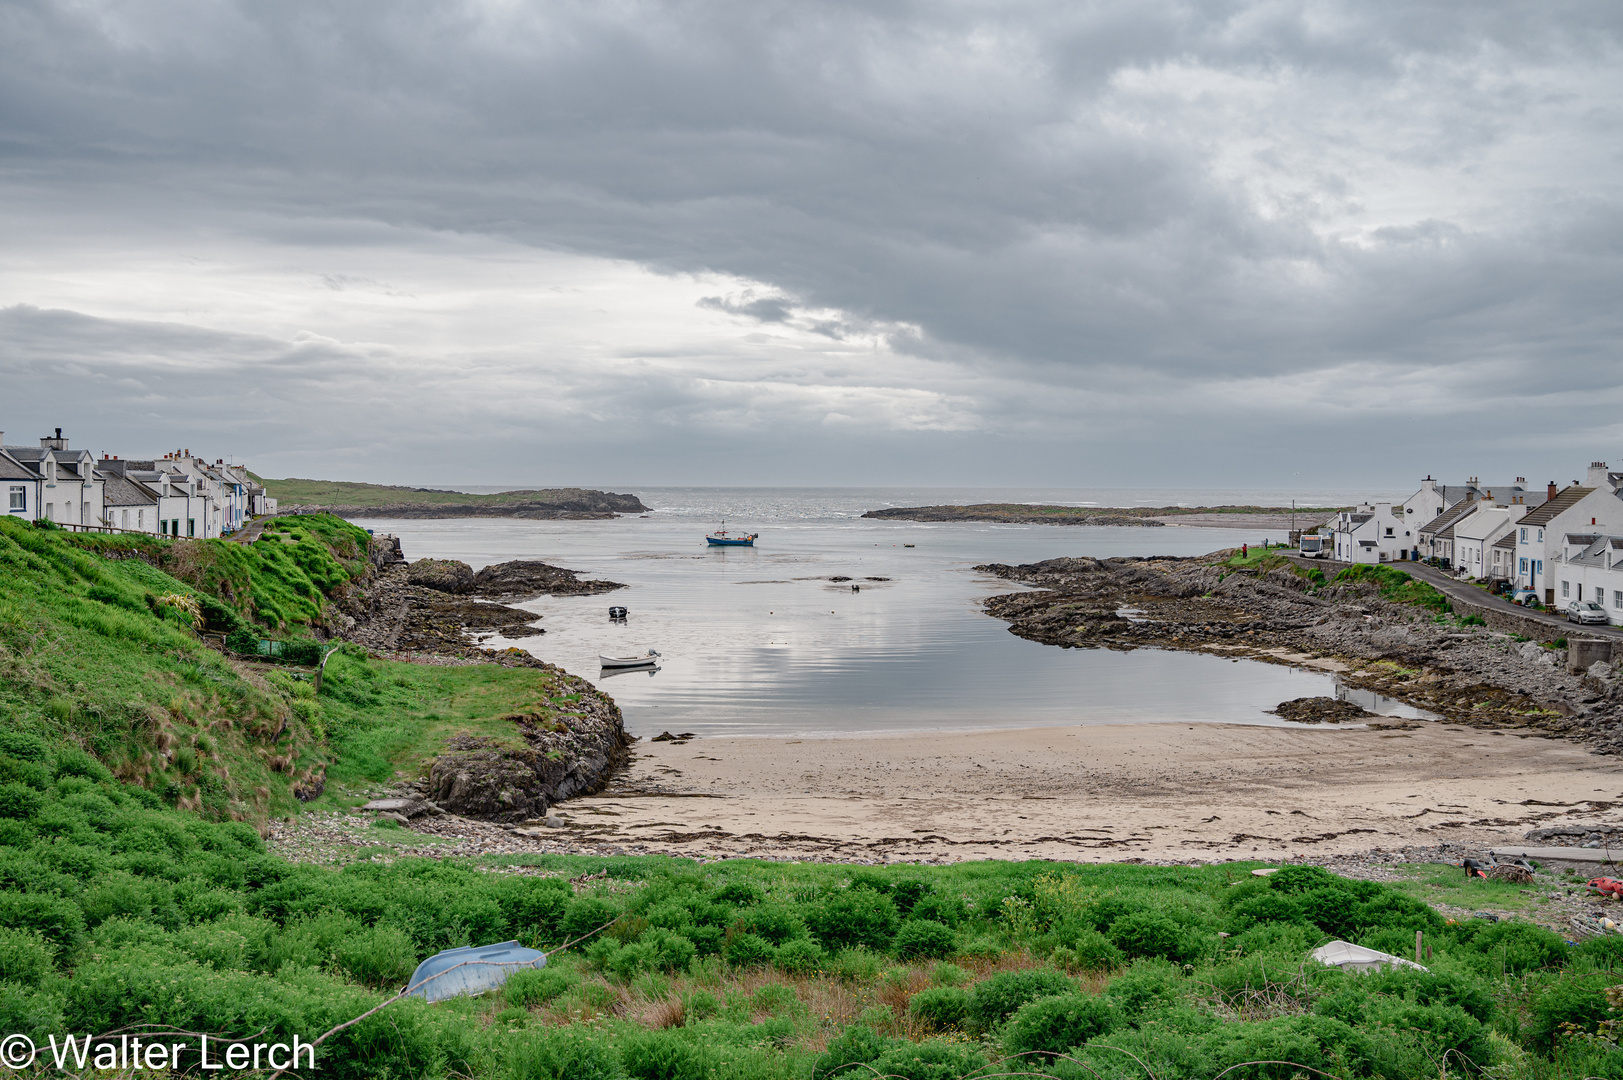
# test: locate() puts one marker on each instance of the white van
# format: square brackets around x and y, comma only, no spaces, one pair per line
[1313,547]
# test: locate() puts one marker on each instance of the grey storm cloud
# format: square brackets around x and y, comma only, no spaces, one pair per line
[1094,236]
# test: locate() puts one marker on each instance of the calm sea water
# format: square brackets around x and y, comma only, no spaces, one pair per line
[761,641]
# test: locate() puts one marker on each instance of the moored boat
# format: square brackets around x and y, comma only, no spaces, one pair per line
[722,538]
[646,659]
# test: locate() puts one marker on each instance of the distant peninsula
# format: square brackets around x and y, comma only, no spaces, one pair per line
[1022,514]
[351,500]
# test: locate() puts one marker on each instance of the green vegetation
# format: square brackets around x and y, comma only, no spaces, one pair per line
[1395,585]
[119,912]
[297,492]
[1262,557]
[100,648]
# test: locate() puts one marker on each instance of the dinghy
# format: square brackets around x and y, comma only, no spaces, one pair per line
[646,659]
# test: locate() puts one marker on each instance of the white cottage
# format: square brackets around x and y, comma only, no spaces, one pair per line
[1592,509]
[1474,537]
[51,482]
[1373,534]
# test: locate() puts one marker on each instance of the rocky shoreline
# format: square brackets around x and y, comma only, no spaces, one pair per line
[438,611]
[1282,614]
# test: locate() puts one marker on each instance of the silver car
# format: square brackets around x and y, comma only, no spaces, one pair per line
[1584,612]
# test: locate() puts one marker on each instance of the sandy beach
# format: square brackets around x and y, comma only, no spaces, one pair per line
[1097,793]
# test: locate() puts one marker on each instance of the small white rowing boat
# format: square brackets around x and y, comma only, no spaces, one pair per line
[644,660]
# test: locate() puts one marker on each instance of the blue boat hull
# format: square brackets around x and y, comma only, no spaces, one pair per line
[730,542]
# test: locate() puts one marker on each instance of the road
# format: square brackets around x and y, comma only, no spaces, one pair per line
[1458,590]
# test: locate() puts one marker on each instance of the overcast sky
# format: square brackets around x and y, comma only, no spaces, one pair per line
[1263,244]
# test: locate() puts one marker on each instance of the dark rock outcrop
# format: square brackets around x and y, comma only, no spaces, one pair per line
[527,577]
[445,575]
[1321,710]
[400,616]
[575,755]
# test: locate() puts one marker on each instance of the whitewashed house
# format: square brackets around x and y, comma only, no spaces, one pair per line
[1581,509]
[1504,556]
[1373,534]
[1435,539]
[130,505]
[52,482]
[1591,568]
[1476,533]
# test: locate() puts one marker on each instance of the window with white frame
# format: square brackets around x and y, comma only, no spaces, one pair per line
[1524,536]
[1617,598]
[19,497]
[1523,569]
[1564,592]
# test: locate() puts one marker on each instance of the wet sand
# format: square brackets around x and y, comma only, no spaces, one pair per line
[1098,793]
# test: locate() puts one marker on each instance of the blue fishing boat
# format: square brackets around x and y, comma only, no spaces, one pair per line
[721,538]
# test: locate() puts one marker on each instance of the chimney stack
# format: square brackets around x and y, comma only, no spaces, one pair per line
[1549,492]
[54,442]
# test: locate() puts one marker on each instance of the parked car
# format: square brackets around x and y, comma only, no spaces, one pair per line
[1526,598]
[1584,612]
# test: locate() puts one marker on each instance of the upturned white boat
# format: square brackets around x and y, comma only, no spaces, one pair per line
[644,660]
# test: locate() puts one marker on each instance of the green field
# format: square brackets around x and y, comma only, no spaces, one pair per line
[297,492]
[137,896]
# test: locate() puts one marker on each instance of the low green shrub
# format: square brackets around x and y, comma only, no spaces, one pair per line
[664,1055]
[941,1008]
[799,957]
[1087,950]
[855,1047]
[930,1060]
[997,998]
[1514,947]
[747,950]
[924,938]
[850,917]
[1054,1025]
[25,957]
[562,1054]
[1153,935]
[775,923]
[1147,985]
[380,956]
[1576,1001]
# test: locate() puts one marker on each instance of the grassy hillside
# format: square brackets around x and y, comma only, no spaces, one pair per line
[296,492]
[100,649]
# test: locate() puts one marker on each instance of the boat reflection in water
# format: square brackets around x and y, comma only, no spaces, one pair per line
[650,670]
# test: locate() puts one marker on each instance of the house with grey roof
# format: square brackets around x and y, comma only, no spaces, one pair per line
[1592,508]
[1373,533]
[1590,568]
[1436,537]
[130,504]
[51,482]
[1476,533]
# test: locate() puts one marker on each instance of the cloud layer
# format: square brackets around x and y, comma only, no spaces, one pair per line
[1068,243]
